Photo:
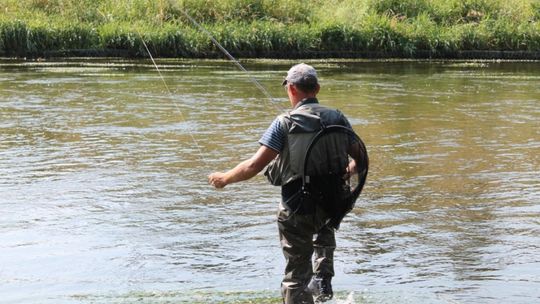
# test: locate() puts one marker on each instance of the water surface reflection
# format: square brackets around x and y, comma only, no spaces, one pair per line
[104,197]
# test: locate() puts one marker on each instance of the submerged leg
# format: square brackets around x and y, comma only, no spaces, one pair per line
[324,244]
[296,236]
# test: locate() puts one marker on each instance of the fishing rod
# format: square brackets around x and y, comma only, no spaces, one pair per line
[272,100]
[234,60]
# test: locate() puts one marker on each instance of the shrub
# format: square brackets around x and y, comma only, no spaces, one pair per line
[402,8]
[43,38]
[121,36]
[14,36]
[383,33]
[467,11]
[215,11]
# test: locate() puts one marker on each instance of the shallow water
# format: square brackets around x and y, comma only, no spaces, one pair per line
[104,195]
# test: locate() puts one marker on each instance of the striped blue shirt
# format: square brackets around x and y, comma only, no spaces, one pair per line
[274,137]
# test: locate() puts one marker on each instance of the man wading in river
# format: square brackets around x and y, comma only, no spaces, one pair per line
[315,195]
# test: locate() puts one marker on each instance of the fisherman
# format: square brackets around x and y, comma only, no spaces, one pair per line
[304,226]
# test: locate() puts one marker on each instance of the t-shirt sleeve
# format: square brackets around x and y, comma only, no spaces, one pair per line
[347,124]
[274,137]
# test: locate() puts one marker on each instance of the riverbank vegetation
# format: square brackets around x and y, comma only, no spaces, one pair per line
[271,28]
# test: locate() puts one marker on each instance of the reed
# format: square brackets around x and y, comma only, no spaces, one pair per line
[270,28]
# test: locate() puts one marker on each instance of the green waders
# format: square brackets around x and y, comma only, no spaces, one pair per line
[309,170]
[296,232]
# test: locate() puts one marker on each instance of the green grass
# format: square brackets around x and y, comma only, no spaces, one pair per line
[270,28]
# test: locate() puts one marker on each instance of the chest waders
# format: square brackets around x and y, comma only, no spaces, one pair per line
[329,190]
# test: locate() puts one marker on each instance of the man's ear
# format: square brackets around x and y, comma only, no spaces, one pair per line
[293,89]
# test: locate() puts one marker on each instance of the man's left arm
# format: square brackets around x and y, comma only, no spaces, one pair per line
[244,170]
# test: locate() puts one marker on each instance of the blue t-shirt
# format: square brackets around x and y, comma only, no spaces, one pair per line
[274,137]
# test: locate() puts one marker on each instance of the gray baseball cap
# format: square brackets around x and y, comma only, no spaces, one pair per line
[301,74]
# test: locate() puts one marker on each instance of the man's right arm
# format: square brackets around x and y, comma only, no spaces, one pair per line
[244,170]
[358,158]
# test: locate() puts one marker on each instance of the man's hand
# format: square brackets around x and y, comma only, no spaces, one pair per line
[217,179]
[244,170]
[350,170]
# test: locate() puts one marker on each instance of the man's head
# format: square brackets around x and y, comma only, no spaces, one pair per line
[304,82]
[303,76]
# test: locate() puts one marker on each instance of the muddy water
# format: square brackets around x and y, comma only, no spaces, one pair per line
[104,195]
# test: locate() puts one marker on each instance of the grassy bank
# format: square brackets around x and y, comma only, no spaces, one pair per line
[271,28]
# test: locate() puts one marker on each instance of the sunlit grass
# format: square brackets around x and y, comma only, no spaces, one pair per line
[269,28]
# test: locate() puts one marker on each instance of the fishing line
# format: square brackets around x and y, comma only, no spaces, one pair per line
[197,146]
[231,57]
[238,64]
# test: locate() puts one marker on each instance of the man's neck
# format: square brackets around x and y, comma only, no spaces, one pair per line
[301,98]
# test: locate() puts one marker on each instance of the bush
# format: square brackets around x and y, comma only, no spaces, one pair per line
[265,39]
[466,11]
[383,34]
[121,36]
[216,11]
[43,38]
[401,8]
[14,38]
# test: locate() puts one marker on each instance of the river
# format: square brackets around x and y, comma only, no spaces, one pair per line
[104,197]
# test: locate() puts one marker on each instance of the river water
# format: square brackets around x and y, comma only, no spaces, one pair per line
[104,196]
